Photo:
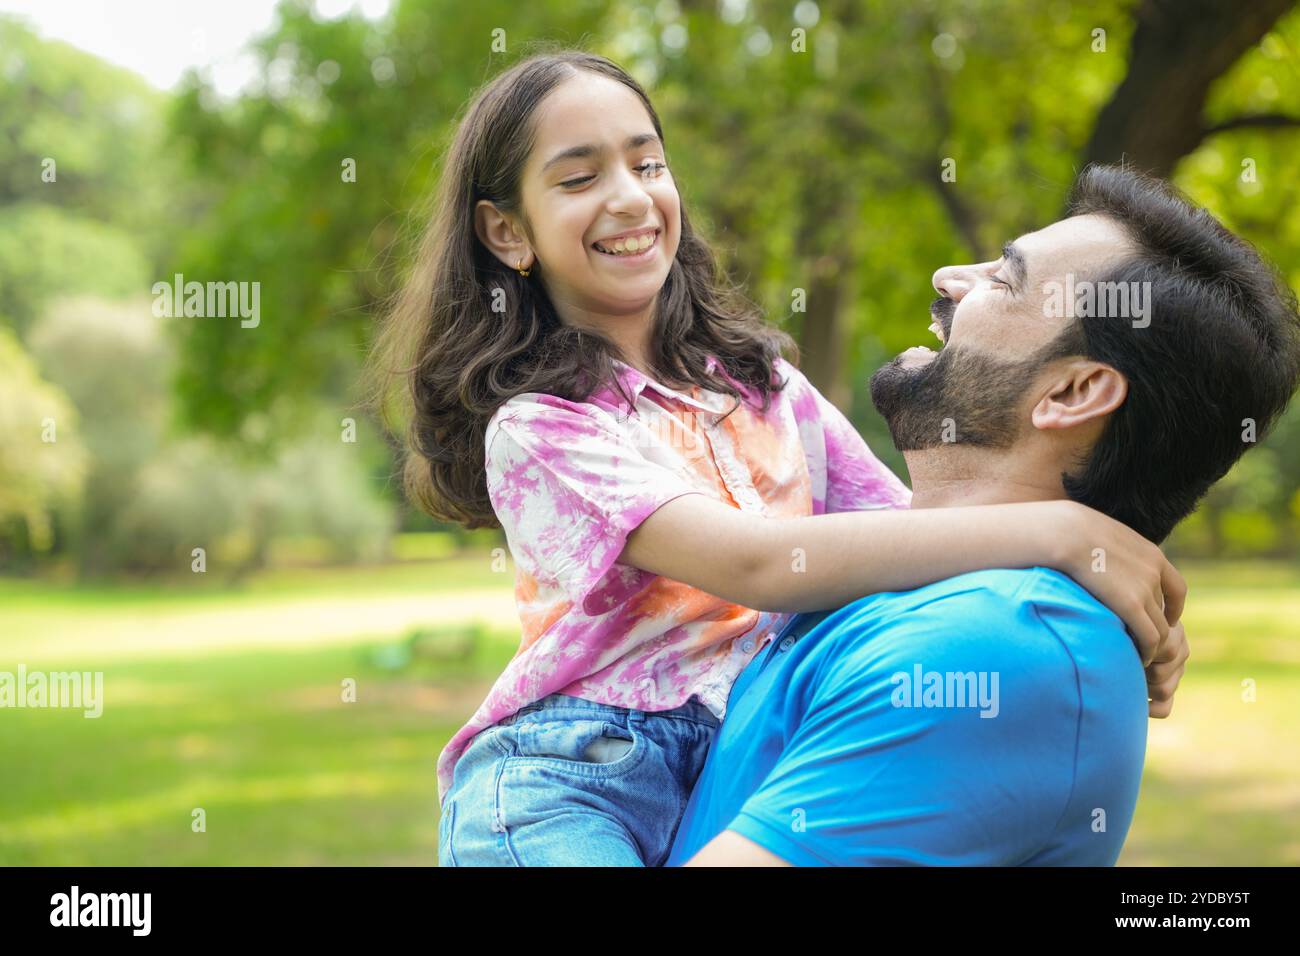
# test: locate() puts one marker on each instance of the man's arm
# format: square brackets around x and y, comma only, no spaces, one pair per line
[730,848]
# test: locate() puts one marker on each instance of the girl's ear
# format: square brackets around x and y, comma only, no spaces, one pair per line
[501,236]
[1083,392]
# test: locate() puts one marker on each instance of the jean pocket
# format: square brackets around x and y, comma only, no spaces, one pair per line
[583,747]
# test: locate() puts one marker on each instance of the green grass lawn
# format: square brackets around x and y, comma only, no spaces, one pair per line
[1222,781]
[221,700]
[231,702]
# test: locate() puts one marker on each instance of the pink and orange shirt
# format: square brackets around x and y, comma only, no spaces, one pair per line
[569,481]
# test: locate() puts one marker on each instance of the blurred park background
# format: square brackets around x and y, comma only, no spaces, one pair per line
[809,140]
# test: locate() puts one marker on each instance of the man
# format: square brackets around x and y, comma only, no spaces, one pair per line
[1124,357]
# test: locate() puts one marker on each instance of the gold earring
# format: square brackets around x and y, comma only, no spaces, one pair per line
[522,271]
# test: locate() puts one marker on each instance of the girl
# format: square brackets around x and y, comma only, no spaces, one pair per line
[571,351]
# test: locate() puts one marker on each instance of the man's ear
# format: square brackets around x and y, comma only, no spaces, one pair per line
[1080,392]
[502,236]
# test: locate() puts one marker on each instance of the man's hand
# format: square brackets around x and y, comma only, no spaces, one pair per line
[1165,671]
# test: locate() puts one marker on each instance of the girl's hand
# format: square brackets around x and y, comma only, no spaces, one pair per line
[1127,573]
[1166,671]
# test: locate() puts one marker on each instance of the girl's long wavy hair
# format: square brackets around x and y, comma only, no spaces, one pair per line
[444,361]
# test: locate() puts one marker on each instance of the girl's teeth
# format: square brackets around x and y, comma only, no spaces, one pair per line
[630,246]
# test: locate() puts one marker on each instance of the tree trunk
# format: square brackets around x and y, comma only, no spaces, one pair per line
[1180,47]
[821,346]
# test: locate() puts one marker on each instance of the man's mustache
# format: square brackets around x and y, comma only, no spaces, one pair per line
[941,310]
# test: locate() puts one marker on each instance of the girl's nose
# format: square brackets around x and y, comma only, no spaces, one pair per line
[630,197]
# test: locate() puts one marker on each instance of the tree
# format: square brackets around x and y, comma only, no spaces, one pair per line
[836,152]
[1180,48]
[42,460]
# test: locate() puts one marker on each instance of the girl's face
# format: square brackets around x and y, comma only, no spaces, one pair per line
[604,212]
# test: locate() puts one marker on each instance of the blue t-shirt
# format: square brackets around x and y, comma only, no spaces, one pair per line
[996,718]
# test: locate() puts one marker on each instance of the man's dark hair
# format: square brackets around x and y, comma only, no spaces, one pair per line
[1222,351]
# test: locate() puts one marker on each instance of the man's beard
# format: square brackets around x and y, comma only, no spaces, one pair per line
[959,396]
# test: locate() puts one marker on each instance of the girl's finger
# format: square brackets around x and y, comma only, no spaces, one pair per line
[1146,633]
[1161,627]
[1162,671]
[1163,690]
[1175,592]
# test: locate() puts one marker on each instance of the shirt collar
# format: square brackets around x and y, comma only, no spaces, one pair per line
[634,382]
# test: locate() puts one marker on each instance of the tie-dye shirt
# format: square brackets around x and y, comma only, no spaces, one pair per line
[569,481]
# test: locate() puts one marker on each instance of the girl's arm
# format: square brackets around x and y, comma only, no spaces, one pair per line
[824,561]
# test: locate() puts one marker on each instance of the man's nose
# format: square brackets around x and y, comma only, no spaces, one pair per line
[953,282]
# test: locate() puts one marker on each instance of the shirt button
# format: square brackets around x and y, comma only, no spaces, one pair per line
[786,644]
[747,647]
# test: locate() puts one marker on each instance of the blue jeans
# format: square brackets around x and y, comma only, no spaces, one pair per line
[570,782]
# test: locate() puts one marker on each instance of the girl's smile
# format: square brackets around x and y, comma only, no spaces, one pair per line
[632,248]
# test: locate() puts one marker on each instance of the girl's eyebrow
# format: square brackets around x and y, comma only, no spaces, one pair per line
[587,150]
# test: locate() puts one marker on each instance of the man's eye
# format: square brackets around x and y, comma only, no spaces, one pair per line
[577,182]
[1002,282]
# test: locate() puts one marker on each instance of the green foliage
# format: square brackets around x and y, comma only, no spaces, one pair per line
[42,461]
[812,160]
[154,494]
[85,190]
[815,168]
[276,206]
[319,486]
[111,360]
[100,124]
[77,256]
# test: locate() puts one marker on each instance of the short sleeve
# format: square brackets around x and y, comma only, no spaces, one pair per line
[856,480]
[870,778]
[568,486]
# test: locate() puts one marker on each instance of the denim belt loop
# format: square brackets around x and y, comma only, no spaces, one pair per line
[514,718]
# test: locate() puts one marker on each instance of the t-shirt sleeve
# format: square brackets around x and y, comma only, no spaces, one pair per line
[856,480]
[869,777]
[569,486]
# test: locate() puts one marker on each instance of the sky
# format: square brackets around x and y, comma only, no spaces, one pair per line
[160,39]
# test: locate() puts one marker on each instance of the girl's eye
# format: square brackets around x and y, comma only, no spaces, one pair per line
[646,169]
